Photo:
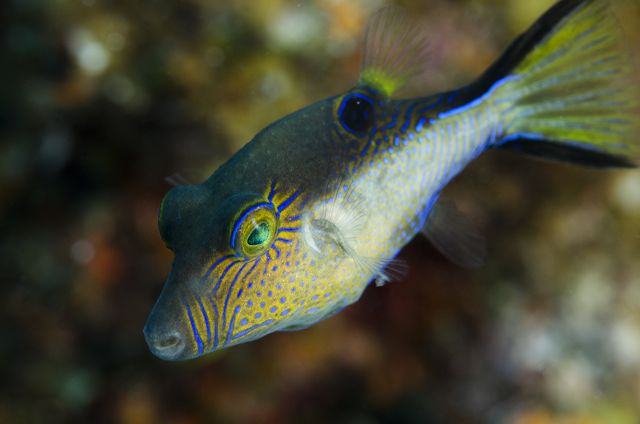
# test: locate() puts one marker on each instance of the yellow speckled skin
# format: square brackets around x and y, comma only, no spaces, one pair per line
[351,179]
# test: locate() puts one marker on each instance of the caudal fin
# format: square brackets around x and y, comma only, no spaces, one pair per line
[568,88]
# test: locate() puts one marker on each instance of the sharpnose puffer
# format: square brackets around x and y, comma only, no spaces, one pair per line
[297,223]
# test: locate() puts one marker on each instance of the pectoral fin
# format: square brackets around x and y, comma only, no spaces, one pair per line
[454,235]
[324,236]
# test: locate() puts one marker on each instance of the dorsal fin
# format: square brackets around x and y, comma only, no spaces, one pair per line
[396,51]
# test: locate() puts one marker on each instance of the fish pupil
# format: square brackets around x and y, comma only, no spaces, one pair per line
[259,235]
[356,114]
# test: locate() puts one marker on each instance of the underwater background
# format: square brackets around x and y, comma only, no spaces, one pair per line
[101,101]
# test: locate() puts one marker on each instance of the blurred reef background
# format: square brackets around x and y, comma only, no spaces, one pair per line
[100,101]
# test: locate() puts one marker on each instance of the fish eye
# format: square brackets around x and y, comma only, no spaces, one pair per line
[356,113]
[259,235]
[253,231]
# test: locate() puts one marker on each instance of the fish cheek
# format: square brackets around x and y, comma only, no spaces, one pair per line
[247,304]
[267,298]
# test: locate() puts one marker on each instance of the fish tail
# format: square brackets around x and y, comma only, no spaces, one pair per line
[567,89]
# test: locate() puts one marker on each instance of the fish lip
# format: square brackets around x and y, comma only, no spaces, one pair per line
[168,346]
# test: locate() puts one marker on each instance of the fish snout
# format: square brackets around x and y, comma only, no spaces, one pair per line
[165,344]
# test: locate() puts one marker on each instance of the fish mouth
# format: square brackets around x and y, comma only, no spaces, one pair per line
[165,345]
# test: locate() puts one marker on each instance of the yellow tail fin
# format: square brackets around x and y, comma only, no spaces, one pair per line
[572,93]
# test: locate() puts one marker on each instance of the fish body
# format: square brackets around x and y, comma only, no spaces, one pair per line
[297,223]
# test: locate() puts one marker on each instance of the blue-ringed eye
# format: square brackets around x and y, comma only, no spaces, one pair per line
[356,113]
[253,231]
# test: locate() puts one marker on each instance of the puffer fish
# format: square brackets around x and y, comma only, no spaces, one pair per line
[294,226]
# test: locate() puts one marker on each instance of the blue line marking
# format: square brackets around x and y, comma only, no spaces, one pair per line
[206,318]
[215,264]
[255,264]
[434,103]
[226,300]
[427,210]
[289,230]
[272,192]
[194,329]
[284,240]
[364,150]
[215,327]
[231,324]
[375,151]
[407,117]
[480,99]
[284,205]
[515,136]
[217,286]
[250,329]
[420,124]
[266,264]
